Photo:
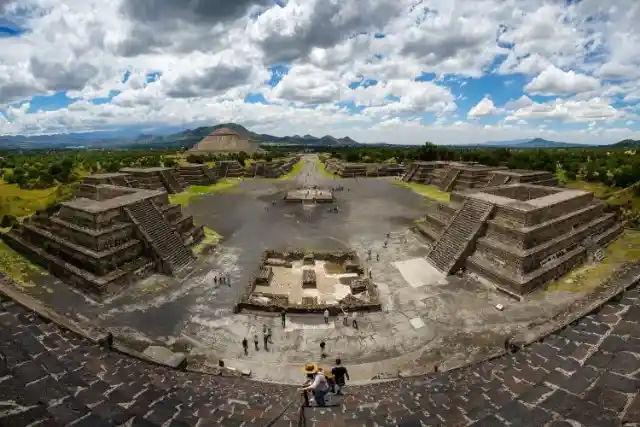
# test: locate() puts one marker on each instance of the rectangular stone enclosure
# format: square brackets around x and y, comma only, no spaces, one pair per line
[310,282]
[309,195]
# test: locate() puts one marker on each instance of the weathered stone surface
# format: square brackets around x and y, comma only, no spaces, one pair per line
[56,377]
[165,356]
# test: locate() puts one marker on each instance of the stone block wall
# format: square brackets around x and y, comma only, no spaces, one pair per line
[559,209]
[543,232]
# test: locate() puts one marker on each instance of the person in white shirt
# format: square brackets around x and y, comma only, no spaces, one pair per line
[319,386]
[326,315]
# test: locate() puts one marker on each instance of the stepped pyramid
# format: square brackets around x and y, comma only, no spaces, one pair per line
[225,140]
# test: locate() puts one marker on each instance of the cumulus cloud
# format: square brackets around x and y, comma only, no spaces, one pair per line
[484,108]
[554,81]
[211,54]
[596,109]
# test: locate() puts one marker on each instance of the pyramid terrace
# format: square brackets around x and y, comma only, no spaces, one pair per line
[110,235]
[517,236]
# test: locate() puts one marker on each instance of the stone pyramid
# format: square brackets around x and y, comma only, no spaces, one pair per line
[225,140]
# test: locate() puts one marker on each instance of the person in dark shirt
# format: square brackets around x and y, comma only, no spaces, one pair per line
[340,373]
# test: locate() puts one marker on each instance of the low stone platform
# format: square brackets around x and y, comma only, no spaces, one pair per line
[585,375]
[309,195]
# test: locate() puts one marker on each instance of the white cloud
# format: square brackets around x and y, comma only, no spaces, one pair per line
[484,108]
[596,109]
[553,81]
[523,101]
[212,54]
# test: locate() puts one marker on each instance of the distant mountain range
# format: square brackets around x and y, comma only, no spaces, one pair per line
[531,143]
[189,137]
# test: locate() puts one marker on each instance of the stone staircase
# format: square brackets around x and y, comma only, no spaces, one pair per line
[449,179]
[407,176]
[498,179]
[159,234]
[171,182]
[459,234]
[584,375]
[123,182]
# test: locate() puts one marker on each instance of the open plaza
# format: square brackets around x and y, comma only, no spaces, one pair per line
[431,284]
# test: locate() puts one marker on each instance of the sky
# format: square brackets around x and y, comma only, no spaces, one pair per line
[397,71]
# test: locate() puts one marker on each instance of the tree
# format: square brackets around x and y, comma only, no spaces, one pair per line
[352,157]
[169,162]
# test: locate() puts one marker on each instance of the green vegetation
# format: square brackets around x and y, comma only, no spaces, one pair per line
[295,171]
[589,276]
[323,169]
[430,191]
[18,202]
[17,267]
[36,180]
[211,238]
[193,191]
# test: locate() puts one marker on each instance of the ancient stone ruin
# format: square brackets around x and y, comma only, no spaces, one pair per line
[517,236]
[196,174]
[310,282]
[111,234]
[309,195]
[158,178]
[229,169]
[353,170]
[457,176]
[271,169]
[225,140]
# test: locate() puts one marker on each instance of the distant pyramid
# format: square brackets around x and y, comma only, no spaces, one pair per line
[225,140]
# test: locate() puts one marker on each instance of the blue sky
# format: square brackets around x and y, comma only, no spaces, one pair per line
[401,70]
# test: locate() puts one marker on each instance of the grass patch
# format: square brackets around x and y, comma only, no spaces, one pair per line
[210,238]
[19,203]
[429,191]
[194,191]
[597,188]
[323,169]
[587,277]
[17,267]
[295,171]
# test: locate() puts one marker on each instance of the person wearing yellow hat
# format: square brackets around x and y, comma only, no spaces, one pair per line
[319,386]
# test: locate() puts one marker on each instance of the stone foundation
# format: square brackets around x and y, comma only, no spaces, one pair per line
[196,174]
[354,170]
[164,179]
[273,169]
[309,195]
[260,292]
[229,169]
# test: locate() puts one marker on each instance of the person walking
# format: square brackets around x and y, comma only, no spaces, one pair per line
[326,316]
[269,335]
[354,320]
[255,342]
[319,386]
[283,318]
[245,346]
[340,373]
[265,341]
[322,346]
